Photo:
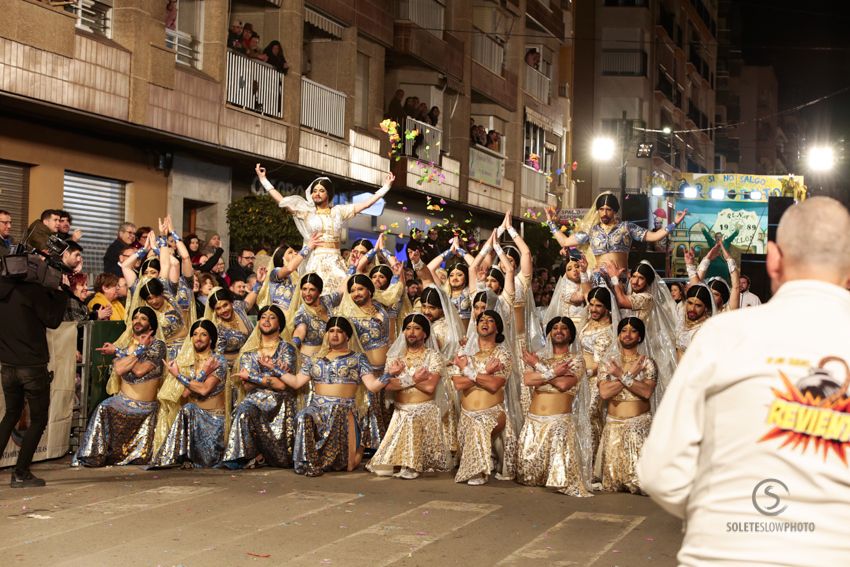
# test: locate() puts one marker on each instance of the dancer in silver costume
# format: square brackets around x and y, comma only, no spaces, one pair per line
[196,437]
[121,429]
[554,445]
[262,430]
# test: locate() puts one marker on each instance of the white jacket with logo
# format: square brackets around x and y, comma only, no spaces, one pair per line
[720,428]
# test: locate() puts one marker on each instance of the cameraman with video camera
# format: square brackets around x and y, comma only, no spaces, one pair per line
[32,300]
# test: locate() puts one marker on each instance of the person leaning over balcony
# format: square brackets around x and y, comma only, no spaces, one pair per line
[244,41]
[253,50]
[275,58]
[234,33]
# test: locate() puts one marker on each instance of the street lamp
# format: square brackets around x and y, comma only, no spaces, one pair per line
[602,149]
[821,158]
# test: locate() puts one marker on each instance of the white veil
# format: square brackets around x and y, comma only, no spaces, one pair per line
[301,207]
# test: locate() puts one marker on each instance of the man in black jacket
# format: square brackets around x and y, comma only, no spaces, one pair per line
[24,356]
[126,237]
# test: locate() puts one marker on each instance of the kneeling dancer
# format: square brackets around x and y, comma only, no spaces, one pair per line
[481,373]
[414,440]
[626,381]
[554,445]
[121,429]
[196,437]
[328,430]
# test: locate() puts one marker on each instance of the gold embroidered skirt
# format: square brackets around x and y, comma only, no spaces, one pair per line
[449,419]
[329,265]
[622,441]
[547,455]
[414,439]
[478,449]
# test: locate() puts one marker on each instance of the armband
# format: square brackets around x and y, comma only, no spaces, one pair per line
[485,249]
[175,236]
[627,380]
[546,371]
[670,227]
[296,341]
[692,272]
[141,253]
[615,280]
[304,252]
[500,231]
[553,228]
[512,231]
[256,287]
[703,265]
[387,254]
[497,248]
[406,379]
[730,263]
[267,185]
[161,241]
[120,352]
[370,255]
[462,252]
[446,254]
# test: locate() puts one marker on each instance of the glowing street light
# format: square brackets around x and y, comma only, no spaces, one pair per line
[690,192]
[718,193]
[821,158]
[602,149]
[658,191]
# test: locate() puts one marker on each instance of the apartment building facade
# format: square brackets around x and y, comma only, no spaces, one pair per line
[116,109]
[644,74]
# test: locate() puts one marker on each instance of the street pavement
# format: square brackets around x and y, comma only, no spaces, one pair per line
[127,516]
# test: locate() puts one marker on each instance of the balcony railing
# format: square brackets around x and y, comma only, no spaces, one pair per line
[186,48]
[486,166]
[322,109]
[426,146]
[92,15]
[624,62]
[537,84]
[427,14]
[254,85]
[666,86]
[534,184]
[488,52]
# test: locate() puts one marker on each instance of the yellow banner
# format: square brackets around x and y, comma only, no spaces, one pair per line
[740,185]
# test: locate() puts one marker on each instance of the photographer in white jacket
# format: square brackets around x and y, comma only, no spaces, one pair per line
[751,442]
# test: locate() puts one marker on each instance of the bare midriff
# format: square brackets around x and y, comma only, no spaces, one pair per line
[213,403]
[477,398]
[335,390]
[412,396]
[619,259]
[142,392]
[589,363]
[377,356]
[627,409]
[551,403]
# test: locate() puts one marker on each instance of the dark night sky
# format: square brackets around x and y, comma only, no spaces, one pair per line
[808,43]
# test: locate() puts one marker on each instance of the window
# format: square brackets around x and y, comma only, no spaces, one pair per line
[361,91]
[97,205]
[14,193]
[534,142]
[183,28]
[94,16]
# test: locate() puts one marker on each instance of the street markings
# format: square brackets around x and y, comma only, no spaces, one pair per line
[566,543]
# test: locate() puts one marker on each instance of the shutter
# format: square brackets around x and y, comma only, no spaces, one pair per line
[14,191]
[97,206]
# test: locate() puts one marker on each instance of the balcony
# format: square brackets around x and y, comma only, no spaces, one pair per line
[488,52]
[537,84]
[624,62]
[668,89]
[427,14]
[415,45]
[696,116]
[254,85]
[534,184]
[94,16]
[700,65]
[322,108]
[486,166]
[427,145]
[187,49]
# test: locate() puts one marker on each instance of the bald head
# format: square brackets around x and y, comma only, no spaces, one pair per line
[812,242]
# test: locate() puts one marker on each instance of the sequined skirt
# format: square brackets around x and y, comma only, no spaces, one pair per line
[414,440]
[196,436]
[329,265]
[263,424]
[378,414]
[547,454]
[596,412]
[450,418]
[322,435]
[479,452]
[622,441]
[120,432]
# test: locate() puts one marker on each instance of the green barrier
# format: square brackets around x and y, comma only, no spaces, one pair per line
[101,365]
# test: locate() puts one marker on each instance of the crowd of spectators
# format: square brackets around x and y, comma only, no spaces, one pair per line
[245,40]
[401,108]
[480,136]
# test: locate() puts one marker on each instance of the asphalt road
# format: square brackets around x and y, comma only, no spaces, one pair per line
[128,516]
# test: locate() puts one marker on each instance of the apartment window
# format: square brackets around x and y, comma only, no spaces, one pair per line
[184,24]
[93,16]
[534,142]
[97,205]
[14,195]
[361,91]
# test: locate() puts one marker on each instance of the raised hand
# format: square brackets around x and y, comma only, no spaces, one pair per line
[420,375]
[689,257]
[146,339]
[260,171]
[163,226]
[262,272]
[615,369]
[396,367]
[564,368]
[680,216]
[582,263]
[173,369]
[494,365]
[107,349]
[266,362]
[211,365]
[551,213]
[389,178]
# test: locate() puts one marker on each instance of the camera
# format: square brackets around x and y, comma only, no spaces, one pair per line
[45,268]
